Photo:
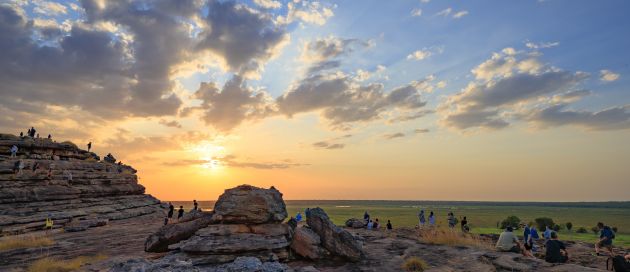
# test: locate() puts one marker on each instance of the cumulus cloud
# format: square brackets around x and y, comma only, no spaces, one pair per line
[242,37]
[424,53]
[614,118]
[49,8]
[312,12]
[324,49]
[608,76]
[504,83]
[268,4]
[235,103]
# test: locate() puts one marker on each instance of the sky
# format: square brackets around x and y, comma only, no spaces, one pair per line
[401,100]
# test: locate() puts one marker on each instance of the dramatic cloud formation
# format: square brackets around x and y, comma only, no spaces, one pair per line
[234,103]
[504,82]
[608,76]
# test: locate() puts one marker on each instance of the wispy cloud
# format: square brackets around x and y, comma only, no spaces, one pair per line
[460,14]
[394,135]
[416,12]
[608,76]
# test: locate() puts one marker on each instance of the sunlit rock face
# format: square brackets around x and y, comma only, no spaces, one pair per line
[47,178]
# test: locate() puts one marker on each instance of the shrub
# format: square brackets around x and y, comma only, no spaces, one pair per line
[581,230]
[24,241]
[556,228]
[414,264]
[569,226]
[615,229]
[511,221]
[453,238]
[543,222]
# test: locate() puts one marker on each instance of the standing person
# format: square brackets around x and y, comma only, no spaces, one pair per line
[48,224]
[389,225]
[165,221]
[526,232]
[89,145]
[464,225]
[376,224]
[14,150]
[298,217]
[366,217]
[195,204]
[180,212]
[16,167]
[606,237]
[171,210]
[547,233]
[49,136]
[370,225]
[21,134]
[432,219]
[451,220]
[556,251]
[421,218]
[20,167]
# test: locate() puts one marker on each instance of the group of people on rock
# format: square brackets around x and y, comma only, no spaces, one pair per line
[451,220]
[32,132]
[555,250]
[180,212]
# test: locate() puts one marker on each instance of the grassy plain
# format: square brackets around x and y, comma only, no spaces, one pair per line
[483,217]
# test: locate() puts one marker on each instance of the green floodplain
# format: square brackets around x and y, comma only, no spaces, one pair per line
[483,217]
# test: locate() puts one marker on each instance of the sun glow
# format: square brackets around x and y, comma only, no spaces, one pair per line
[209,155]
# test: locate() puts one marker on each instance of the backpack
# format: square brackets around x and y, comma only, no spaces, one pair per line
[619,264]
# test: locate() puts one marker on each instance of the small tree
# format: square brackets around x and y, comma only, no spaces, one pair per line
[543,222]
[569,226]
[511,221]
[556,227]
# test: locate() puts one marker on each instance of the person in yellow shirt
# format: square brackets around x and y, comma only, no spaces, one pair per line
[49,224]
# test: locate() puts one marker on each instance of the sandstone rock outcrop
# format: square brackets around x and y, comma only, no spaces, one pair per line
[250,205]
[60,180]
[307,243]
[173,233]
[335,239]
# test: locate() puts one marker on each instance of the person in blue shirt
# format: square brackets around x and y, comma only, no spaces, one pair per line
[547,233]
[531,239]
[298,217]
[526,233]
[606,236]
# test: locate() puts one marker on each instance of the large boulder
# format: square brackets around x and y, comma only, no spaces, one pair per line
[307,244]
[335,239]
[247,204]
[174,233]
[355,223]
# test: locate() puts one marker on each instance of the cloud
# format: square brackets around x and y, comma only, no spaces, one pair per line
[342,100]
[324,49]
[425,1]
[424,53]
[460,14]
[570,96]
[235,103]
[608,76]
[416,12]
[614,118]
[172,123]
[541,45]
[328,145]
[231,161]
[243,38]
[49,8]
[506,82]
[445,12]
[421,130]
[268,4]
[312,12]
[394,135]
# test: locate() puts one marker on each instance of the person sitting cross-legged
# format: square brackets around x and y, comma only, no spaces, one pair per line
[556,251]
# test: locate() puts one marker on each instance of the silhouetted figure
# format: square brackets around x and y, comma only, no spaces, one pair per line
[451,220]
[109,158]
[16,167]
[432,219]
[464,225]
[421,218]
[366,217]
[376,224]
[14,150]
[89,146]
[195,205]
[180,212]
[171,209]
[21,134]
[389,225]
[49,136]
[165,221]
[556,251]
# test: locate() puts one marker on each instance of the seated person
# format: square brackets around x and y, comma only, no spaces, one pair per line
[556,251]
[508,242]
